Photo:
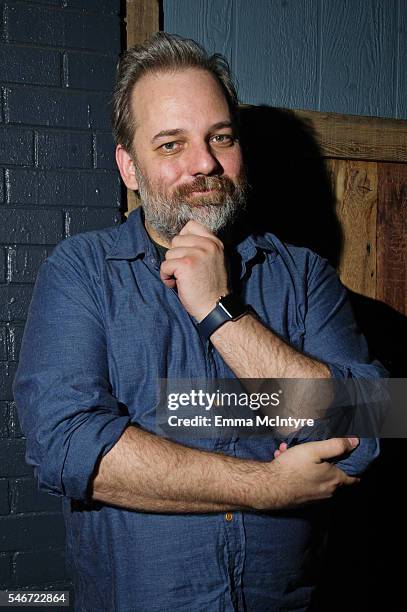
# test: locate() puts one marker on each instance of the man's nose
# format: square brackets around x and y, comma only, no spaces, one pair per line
[201,160]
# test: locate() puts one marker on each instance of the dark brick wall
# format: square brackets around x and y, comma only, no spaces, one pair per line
[57,178]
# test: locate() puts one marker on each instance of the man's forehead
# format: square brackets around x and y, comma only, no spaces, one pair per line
[184,97]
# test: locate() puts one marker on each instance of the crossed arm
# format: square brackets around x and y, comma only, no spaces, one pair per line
[145,472]
[135,469]
[172,478]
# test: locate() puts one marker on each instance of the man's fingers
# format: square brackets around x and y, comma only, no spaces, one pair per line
[180,252]
[326,449]
[168,272]
[171,283]
[169,267]
[352,480]
[348,480]
[176,253]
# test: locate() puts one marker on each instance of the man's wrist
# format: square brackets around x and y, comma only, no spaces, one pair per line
[228,308]
[237,326]
[204,311]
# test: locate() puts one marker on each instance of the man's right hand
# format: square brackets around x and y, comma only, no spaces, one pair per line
[304,474]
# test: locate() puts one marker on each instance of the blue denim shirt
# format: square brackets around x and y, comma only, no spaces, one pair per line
[102,328]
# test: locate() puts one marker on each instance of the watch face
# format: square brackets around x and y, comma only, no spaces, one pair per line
[233,306]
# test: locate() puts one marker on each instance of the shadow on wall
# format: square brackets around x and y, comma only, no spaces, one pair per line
[291,192]
[292,197]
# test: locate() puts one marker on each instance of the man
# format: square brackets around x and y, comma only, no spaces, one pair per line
[152,524]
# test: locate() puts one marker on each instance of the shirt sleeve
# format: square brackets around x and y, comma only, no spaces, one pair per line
[332,336]
[64,399]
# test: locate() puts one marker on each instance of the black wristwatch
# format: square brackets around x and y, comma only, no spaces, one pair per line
[228,308]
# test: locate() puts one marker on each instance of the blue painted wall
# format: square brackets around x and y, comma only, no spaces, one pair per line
[344,56]
[57,177]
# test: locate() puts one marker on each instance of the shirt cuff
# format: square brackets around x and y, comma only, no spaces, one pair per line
[88,443]
[338,371]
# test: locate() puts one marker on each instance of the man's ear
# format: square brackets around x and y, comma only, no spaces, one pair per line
[126,168]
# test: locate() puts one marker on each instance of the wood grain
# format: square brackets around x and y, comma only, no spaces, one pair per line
[392,236]
[355,187]
[142,20]
[355,137]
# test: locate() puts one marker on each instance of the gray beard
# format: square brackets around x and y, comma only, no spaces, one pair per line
[167,215]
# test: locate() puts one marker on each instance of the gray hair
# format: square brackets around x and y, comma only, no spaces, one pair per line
[162,52]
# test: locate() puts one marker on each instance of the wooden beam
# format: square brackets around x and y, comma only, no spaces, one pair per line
[354,136]
[392,236]
[355,186]
[359,137]
[142,20]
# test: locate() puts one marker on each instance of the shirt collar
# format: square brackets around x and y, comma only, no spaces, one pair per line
[133,241]
[249,246]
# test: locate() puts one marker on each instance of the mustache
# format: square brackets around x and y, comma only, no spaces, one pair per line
[223,184]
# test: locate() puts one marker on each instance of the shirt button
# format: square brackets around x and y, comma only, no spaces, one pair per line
[229,516]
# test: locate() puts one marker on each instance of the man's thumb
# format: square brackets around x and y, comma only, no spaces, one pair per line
[334,447]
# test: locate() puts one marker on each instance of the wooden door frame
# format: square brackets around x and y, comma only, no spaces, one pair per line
[142,20]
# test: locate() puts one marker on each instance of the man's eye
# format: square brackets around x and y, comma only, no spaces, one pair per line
[170,147]
[222,139]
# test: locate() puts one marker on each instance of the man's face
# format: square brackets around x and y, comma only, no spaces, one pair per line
[188,163]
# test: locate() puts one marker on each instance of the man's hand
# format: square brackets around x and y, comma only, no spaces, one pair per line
[195,264]
[305,474]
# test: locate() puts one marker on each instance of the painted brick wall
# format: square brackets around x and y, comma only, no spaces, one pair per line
[57,178]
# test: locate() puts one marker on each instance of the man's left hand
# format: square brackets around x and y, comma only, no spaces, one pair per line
[195,265]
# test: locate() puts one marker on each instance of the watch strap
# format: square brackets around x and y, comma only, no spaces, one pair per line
[220,315]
